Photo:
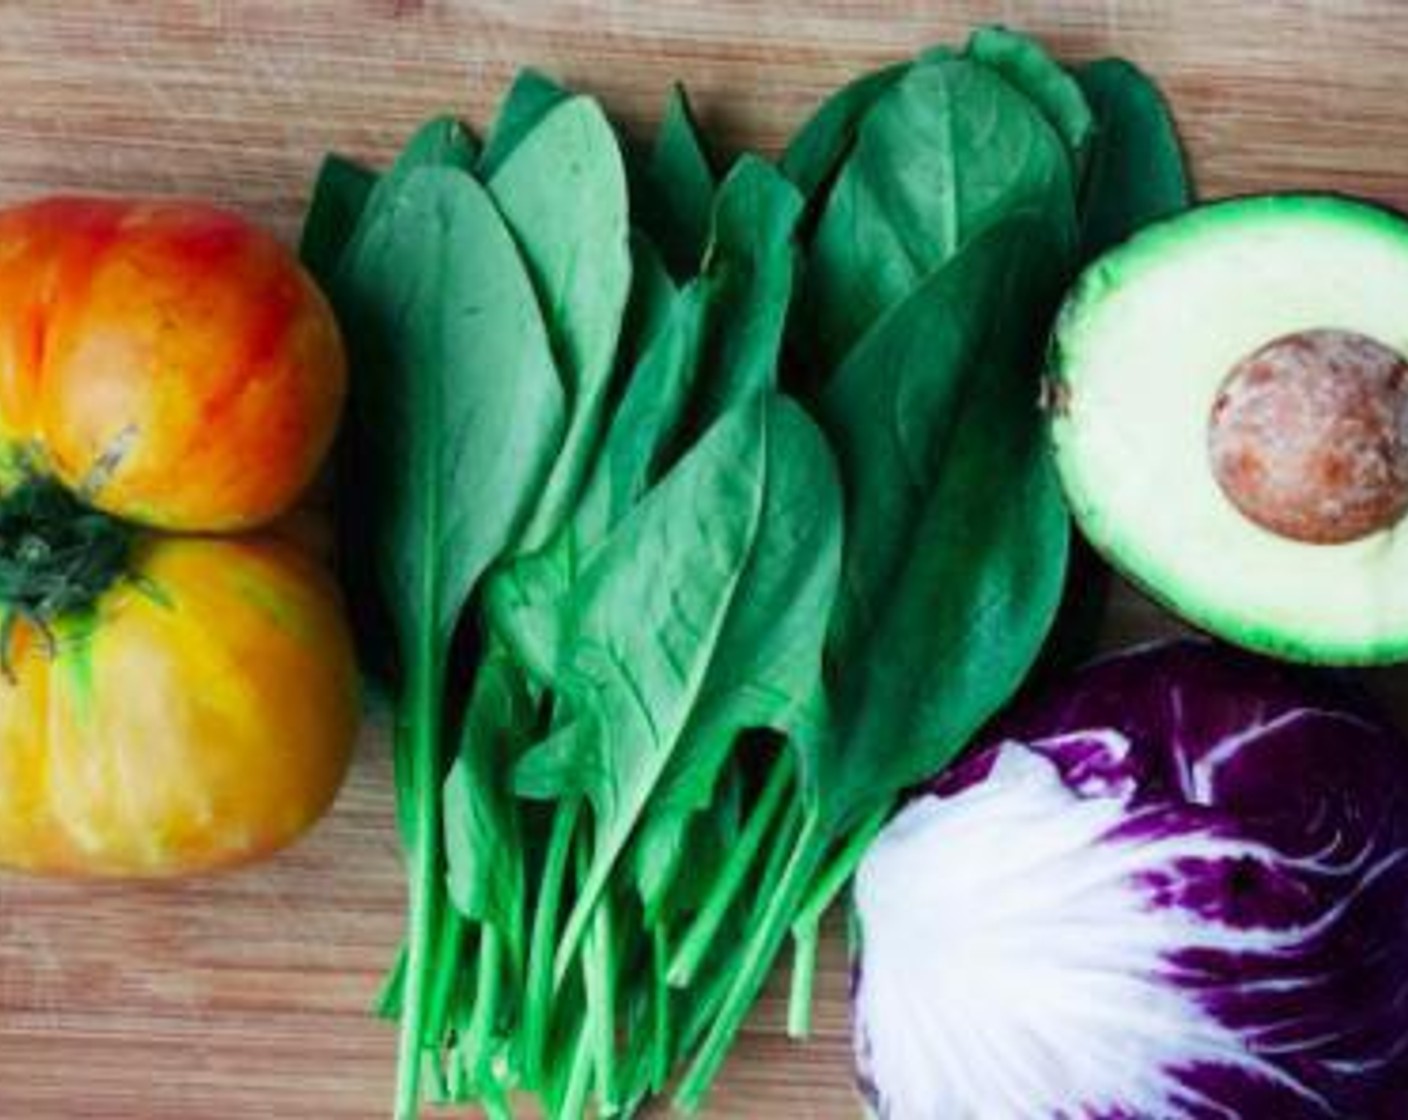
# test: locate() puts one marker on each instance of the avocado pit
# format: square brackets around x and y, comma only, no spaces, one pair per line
[1308,436]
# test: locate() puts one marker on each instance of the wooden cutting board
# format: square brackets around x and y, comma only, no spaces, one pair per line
[245,996]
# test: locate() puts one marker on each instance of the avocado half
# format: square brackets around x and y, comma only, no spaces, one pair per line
[1228,396]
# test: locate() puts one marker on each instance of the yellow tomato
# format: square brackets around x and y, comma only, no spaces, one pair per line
[199,714]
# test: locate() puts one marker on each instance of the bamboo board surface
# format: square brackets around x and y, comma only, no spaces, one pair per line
[245,996]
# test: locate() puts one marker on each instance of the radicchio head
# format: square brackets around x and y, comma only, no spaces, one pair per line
[1175,887]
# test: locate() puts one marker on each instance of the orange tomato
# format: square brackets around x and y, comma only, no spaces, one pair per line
[200,715]
[167,360]
[168,704]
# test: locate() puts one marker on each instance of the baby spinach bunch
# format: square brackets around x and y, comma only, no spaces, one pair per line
[949,201]
[687,520]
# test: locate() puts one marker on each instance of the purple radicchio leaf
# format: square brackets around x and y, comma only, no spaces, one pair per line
[1176,886]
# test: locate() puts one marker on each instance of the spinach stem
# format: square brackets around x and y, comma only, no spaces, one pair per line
[421,759]
[461,1082]
[439,1091]
[799,999]
[478,1050]
[599,984]
[699,936]
[473,1074]
[660,1035]
[757,957]
[448,947]
[782,843]
[637,1056]
[705,1007]
[715,987]
[388,1000]
[806,930]
[573,1103]
[838,873]
[538,990]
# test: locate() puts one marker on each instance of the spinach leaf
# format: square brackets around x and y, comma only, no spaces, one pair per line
[339,199]
[948,150]
[814,154]
[652,296]
[703,616]
[1023,63]
[1137,171]
[1136,175]
[339,195]
[562,192]
[948,593]
[484,873]
[719,344]
[722,341]
[531,97]
[767,669]
[642,621]
[523,597]
[660,351]
[439,142]
[442,141]
[461,380]
[749,269]
[455,367]
[674,188]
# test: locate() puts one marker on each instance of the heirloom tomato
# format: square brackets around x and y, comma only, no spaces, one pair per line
[168,703]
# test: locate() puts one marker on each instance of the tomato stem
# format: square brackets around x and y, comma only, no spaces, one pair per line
[57,557]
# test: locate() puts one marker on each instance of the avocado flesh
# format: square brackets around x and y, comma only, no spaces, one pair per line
[1142,347]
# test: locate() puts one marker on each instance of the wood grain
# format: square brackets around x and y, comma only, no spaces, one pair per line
[245,996]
